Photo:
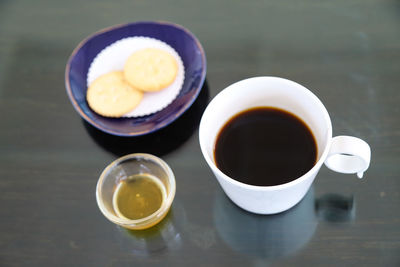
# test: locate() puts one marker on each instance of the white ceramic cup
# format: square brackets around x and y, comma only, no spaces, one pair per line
[343,154]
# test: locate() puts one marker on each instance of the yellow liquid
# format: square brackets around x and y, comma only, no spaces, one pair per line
[138,196]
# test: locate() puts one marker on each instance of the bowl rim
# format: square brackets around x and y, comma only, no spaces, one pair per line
[151,219]
[164,123]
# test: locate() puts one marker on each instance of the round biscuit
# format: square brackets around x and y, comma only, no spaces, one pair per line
[150,69]
[111,96]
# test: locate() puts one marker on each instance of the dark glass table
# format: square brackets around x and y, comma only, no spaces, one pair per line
[346,52]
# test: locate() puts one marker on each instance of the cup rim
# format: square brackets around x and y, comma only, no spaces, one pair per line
[154,217]
[300,179]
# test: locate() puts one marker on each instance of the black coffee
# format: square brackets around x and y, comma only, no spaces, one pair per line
[265,146]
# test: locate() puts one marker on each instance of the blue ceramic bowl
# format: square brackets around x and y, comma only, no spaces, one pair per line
[183,41]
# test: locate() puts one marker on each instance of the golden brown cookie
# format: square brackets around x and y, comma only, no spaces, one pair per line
[111,96]
[150,69]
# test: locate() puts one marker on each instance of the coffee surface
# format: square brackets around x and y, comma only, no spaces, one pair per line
[265,146]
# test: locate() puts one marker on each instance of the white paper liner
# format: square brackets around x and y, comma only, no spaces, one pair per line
[113,58]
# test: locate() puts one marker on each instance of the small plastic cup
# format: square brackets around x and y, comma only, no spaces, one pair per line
[125,167]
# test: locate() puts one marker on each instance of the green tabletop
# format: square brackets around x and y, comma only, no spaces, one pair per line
[346,52]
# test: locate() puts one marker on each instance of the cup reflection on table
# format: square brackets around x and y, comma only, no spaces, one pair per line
[163,237]
[265,237]
[336,208]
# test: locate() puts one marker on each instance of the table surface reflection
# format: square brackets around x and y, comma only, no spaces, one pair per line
[346,52]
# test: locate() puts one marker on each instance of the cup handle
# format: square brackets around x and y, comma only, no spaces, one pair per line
[348,154]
